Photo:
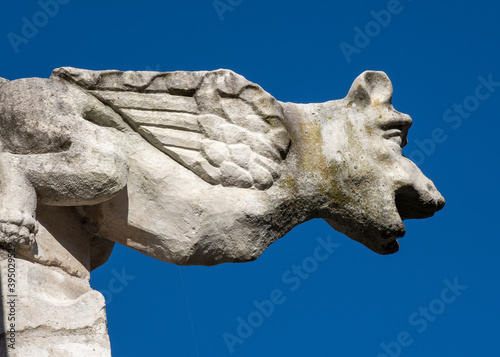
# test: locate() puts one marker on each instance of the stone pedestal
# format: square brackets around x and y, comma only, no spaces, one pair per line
[48,306]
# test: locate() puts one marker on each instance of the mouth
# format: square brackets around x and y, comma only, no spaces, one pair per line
[387,242]
[380,230]
[409,205]
[412,205]
[390,247]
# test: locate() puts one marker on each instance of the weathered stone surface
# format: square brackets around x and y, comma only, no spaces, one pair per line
[50,299]
[74,345]
[52,307]
[262,178]
[343,156]
[189,168]
[215,152]
[148,101]
[56,312]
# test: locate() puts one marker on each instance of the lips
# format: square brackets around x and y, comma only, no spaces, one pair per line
[389,248]
[387,243]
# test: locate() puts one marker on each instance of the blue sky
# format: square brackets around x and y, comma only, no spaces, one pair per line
[438,296]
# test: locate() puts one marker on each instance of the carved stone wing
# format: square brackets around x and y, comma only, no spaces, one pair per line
[225,129]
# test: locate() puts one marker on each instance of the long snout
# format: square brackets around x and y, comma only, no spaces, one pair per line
[418,197]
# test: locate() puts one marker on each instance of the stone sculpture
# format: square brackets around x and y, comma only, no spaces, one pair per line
[196,167]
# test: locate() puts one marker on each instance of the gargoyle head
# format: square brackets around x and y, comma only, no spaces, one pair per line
[369,186]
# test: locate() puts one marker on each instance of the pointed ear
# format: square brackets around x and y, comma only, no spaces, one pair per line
[370,87]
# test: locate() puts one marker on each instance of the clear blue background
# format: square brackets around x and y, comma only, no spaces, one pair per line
[434,52]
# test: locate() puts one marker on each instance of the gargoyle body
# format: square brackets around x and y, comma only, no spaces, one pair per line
[204,167]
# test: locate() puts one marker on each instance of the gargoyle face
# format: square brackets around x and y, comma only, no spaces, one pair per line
[375,187]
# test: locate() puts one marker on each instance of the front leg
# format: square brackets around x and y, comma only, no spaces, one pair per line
[17,204]
[51,155]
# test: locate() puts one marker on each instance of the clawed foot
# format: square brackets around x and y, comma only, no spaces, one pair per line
[18,228]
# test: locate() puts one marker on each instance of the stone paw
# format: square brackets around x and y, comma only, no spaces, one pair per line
[14,234]
[17,228]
